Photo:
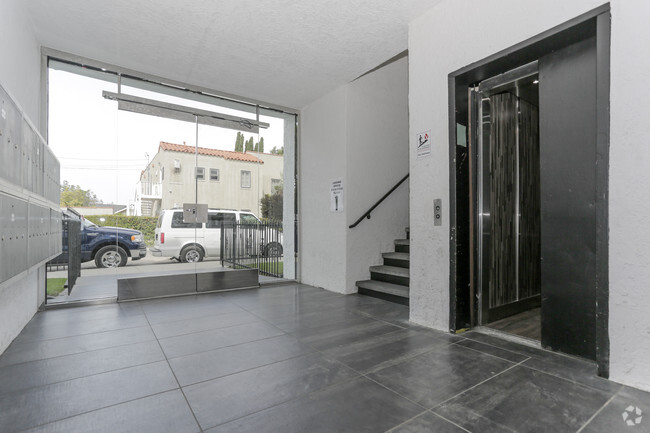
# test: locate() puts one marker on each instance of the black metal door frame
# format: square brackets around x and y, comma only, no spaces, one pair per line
[596,22]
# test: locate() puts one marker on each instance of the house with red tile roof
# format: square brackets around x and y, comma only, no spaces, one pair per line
[180,173]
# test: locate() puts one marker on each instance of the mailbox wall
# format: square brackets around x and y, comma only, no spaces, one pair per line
[30,218]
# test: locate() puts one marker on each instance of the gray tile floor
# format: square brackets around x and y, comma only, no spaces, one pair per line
[289,359]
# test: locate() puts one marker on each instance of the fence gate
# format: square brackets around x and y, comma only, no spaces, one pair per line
[253,246]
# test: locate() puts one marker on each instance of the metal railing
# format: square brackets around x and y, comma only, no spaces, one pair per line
[70,256]
[367,214]
[253,246]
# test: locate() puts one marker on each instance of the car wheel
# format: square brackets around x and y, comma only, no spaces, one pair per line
[274,249]
[192,254]
[111,256]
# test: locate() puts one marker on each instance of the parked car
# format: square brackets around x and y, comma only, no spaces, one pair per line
[110,247]
[192,242]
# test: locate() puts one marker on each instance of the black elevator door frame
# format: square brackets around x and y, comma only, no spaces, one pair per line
[462,190]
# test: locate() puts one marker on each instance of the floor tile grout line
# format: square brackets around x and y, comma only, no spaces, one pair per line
[493,355]
[474,386]
[408,358]
[80,335]
[202,330]
[10,349]
[95,410]
[77,353]
[229,345]
[567,379]
[31,388]
[296,398]
[449,421]
[406,422]
[539,349]
[189,406]
[597,412]
[249,369]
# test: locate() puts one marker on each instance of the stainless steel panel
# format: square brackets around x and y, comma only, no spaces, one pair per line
[169,285]
[10,140]
[51,187]
[28,156]
[155,286]
[13,237]
[39,223]
[39,167]
[227,279]
[55,239]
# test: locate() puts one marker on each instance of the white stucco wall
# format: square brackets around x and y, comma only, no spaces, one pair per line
[457,33]
[629,200]
[323,141]
[357,134]
[20,76]
[20,71]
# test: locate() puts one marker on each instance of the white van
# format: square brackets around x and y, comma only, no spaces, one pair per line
[192,242]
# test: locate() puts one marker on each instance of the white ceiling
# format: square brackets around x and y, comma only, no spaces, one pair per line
[285,52]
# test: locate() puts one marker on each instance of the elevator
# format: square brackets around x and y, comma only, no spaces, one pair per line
[528,189]
[508,194]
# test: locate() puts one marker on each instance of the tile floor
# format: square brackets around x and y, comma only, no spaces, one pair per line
[291,358]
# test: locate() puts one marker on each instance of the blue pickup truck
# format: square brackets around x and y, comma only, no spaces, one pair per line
[110,247]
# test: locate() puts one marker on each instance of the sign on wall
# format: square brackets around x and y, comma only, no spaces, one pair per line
[424,144]
[336,196]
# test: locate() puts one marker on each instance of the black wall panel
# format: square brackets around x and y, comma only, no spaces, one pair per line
[567,86]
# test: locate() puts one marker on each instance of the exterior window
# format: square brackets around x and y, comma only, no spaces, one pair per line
[215,220]
[245,179]
[162,174]
[214,174]
[177,222]
[200,173]
[275,182]
[248,219]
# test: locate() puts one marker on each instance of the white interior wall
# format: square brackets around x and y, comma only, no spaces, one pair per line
[629,199]
[377,158]
[440,43]
[323,143]
[20,76]
[357,134]
[20,68]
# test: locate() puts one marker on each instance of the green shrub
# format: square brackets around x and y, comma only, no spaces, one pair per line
[147,225]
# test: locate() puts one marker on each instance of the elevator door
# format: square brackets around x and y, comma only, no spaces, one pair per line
[509,195]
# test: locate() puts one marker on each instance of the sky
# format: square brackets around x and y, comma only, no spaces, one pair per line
[104,150]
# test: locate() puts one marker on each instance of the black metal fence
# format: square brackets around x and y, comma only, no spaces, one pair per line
[70,258]
[253,246]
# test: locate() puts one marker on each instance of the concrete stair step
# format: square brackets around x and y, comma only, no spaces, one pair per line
[399,259]
[390,274]
[383,290]
[402,245]
[390,270]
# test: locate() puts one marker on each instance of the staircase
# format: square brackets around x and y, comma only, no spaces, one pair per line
[390,281]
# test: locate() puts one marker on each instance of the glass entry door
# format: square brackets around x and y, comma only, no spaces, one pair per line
[508,174]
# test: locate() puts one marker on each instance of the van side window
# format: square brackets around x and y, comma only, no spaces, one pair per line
[248,219]
[215,219]
[177,222]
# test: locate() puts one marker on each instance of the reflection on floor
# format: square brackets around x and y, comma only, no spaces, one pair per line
[290,358]
[527,324]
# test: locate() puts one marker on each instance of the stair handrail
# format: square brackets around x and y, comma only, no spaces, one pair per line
[367,214]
